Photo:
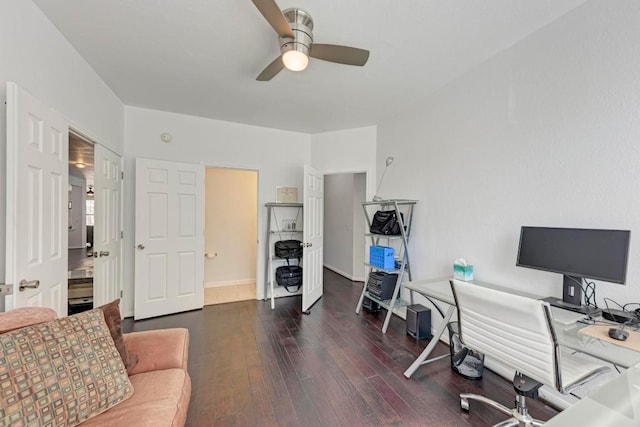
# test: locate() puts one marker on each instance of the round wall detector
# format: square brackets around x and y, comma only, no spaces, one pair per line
[166,137]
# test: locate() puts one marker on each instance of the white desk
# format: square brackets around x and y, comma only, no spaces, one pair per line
[615,404]
[439,291]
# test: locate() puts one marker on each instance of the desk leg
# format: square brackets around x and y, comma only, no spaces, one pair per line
[422,359]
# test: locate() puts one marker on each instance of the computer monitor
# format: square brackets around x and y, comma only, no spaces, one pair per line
[576,253]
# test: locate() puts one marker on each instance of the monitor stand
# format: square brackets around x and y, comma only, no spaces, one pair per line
[572,297]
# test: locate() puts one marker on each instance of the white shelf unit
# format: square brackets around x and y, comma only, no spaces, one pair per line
[284,222]
[400,243]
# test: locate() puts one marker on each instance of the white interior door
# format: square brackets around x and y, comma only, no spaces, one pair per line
[37,195]
[169,237]
[313,196]
[107,230]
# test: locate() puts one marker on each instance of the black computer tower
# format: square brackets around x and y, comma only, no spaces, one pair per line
[370,305]
[418,321]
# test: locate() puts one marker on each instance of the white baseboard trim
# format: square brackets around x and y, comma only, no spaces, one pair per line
[229,283]
[343,274]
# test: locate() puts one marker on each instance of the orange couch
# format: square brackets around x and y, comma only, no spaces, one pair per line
[162,386]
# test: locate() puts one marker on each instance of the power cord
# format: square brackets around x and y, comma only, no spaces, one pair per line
[590,294]
[624,307]
[614,302]
[636,312]
[588,290]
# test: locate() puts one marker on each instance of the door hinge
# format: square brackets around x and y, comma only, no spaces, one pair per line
[121,294]
[122,234]
[6,289]
[121,174]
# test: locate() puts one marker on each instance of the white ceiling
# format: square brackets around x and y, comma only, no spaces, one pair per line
[201,58]
[81,151]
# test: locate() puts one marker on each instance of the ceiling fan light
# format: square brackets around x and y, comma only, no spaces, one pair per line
[295,60]
[80,165]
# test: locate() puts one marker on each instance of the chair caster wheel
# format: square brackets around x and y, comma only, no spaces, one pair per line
[464,405]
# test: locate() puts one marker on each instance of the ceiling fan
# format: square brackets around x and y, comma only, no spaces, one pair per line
[294,27]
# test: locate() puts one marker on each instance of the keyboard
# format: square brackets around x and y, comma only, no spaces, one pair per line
[565,317]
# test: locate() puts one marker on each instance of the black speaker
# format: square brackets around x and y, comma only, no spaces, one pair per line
[418,321]
[381,284]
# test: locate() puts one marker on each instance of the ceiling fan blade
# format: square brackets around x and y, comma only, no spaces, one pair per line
[340,54]
[271,70]
[272,13]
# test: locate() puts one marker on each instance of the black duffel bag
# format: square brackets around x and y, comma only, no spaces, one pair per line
[288,249]
[386,222]
[289,276]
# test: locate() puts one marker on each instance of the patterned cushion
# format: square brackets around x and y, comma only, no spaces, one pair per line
[61,372]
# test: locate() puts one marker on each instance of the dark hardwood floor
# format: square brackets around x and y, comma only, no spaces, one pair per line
[253,366]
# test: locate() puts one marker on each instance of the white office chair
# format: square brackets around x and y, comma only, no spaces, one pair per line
[518,332]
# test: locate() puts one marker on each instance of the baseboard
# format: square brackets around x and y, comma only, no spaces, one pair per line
[229,283]
[343,274]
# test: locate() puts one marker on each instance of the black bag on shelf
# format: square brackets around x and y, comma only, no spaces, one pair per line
[289,275]
[386,222]
[288,249]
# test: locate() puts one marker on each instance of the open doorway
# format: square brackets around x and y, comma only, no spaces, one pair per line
[231,235]
[81,215]
[344,224]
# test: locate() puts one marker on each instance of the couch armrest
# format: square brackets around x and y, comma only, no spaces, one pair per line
[158,349]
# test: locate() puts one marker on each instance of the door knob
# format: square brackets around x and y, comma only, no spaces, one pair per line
[307,245]
[140,246]
[104,253]
[31,284]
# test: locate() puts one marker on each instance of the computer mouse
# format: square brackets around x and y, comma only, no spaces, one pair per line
[618,334]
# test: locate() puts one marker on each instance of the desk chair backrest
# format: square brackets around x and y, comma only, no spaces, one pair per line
[513,329]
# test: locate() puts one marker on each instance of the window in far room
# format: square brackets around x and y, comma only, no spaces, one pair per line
[90,211]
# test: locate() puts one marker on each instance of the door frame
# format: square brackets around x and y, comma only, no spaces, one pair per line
[260,242]
[367,188]
[75,131]
[259,216]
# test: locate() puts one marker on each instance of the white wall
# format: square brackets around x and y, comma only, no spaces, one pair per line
[277,155]
[352,150]
[347,151]
[39,59]
[545,133]
[231,226]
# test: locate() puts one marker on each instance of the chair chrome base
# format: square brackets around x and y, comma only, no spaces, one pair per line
[519,416]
